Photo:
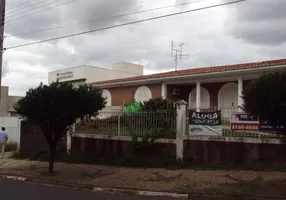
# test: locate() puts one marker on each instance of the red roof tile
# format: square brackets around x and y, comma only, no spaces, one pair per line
[198,71]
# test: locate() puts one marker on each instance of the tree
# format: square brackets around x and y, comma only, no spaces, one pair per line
[265,98]
[55,107]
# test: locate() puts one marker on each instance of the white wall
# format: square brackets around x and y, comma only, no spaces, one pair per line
[12,125]
[128,67]
[69,74]
[94,74]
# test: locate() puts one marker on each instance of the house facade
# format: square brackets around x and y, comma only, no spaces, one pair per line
[202,88]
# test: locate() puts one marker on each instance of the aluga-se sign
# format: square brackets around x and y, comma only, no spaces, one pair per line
[205,123]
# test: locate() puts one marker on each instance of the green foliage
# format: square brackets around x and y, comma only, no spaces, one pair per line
[265,98]
[158,104]
[158,118]
[55,107]
[134,107]
[11,146]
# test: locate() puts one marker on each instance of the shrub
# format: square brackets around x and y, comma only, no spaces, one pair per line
[11,146]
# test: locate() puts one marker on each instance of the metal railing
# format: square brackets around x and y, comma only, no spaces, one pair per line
[119,122]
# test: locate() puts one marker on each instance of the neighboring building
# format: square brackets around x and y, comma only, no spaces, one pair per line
[219,86]
[7,102]
[86,74]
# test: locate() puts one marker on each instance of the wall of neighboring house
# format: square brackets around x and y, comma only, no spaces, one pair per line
[7,102]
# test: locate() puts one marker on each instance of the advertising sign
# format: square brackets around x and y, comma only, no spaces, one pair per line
[205,123]
[243,122]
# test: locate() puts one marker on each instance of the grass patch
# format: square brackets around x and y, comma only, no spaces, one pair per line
[11,146]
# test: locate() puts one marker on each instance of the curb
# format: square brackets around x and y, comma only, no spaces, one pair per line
[120,191]
[96,189]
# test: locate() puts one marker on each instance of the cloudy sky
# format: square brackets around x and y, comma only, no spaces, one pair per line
[253,30]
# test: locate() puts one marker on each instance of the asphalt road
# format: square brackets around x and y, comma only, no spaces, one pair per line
[17,190]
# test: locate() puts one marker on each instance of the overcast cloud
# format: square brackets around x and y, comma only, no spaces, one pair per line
[253,30]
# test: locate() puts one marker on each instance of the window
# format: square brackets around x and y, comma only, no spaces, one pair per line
[142,94]
[106,94]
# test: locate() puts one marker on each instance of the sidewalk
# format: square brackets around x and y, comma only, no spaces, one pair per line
[219,182]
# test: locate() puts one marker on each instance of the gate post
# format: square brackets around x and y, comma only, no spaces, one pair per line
[69,135]
[181,107]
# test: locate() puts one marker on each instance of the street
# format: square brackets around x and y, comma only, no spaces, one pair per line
[15,190]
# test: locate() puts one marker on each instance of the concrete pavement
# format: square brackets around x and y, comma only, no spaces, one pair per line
[15,190]
[258,184]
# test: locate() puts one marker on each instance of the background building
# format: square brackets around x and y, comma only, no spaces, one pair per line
[87,74]
[7,102]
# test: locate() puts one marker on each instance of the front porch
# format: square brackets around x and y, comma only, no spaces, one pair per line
[224,93]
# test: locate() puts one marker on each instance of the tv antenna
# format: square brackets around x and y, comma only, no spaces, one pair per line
[177,53]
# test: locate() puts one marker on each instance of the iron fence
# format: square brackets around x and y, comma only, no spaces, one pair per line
[116,121]
[119,122]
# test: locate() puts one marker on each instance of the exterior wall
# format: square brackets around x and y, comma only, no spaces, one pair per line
[89,74]
[246,154]
[260,155]
[12,125]
[12,100]
[4,101]
[93,74]
[107,147]
[7,102]
[126,94]
[70,74]
[33,142]
[129,68]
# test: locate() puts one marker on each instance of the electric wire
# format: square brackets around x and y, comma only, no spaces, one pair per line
[124,24]
[101,19]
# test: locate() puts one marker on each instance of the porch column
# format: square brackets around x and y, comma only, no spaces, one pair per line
[164,91]
[240,99]
[198,97]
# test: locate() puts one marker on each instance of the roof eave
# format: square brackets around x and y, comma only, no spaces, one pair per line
[170,78]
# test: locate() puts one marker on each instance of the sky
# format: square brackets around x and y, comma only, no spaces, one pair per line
[249,31]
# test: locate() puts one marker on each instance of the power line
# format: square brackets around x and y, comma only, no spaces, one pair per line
[49,3]
[124,24]
[41,11]
[101,19]
[27,6]
[18,5]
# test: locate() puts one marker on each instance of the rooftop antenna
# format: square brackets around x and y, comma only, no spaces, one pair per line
[177,53]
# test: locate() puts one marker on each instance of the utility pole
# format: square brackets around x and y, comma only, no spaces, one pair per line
[2,24]
[177,53]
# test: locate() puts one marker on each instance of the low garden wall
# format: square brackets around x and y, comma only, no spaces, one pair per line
[97,145]
[235,153]
[200,150]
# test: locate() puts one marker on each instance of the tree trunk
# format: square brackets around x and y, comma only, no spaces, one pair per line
[53,149]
